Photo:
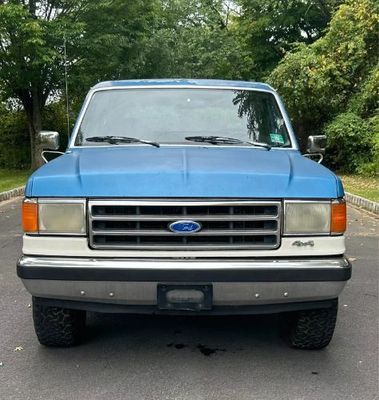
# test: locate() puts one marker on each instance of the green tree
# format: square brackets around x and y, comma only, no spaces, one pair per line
[31,58]
[194,39]
[335,74]
[112,44]
[269,28]
[99,35]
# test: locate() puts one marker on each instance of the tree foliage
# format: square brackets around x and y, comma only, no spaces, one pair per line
[195,39]
[14,139]
[321,55]
[350,142]
[270,28]
[31,56]
[336,73]
[100,38]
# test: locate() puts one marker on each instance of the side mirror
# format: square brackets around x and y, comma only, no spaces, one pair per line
[316,148]
[49,143]
[49,140]
[316,144]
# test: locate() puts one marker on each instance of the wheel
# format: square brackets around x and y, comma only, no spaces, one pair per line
[313,329]
[57,326]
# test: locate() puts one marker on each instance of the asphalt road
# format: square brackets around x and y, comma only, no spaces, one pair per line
[144,357]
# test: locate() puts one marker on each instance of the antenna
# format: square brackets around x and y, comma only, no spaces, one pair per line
[66,86]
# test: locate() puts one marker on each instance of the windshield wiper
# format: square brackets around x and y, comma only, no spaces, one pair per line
[225,140]
[120,139]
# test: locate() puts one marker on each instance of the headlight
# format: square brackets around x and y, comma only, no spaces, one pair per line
[314,218]
[59,217]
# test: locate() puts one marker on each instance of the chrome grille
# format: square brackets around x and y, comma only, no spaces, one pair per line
[133,224]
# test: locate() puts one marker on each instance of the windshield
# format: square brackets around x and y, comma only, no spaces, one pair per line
[169,116]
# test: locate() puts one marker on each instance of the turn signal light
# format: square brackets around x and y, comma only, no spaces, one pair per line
[30,216]
[338,223]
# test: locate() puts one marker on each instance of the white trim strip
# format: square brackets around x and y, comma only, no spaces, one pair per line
[78,247]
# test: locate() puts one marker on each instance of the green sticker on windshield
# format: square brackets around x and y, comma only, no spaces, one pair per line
[276,138]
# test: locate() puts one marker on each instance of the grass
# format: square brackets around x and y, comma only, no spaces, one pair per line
[10,178]
[367,187]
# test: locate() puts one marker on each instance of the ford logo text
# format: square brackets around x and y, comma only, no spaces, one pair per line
[184,227]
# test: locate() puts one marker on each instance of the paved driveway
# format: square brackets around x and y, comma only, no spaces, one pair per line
[144,357]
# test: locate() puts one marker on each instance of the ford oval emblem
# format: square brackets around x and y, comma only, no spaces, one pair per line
[184,227]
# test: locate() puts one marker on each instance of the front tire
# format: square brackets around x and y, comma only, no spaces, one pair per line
[313,329]
[57,326]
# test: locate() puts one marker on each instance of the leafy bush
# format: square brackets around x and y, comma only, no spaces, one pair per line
[335,74]
[365,101]
[372,168]
[14,140]
[14,134]
[351,143]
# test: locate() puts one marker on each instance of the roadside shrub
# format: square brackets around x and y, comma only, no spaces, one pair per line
[372,168]
[350,143]
[14,140]
[14,134]
[365,101]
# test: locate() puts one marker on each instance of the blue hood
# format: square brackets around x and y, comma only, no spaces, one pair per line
[185,171]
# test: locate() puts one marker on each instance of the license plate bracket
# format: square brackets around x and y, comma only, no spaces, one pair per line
[184,297]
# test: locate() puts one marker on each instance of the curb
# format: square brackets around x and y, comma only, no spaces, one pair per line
[9,194]
[361,202]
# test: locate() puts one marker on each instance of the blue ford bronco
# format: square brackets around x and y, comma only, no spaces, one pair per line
[184,197]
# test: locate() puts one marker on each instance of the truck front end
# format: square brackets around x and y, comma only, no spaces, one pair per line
[185,197]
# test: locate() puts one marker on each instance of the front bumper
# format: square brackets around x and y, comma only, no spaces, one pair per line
[131,284]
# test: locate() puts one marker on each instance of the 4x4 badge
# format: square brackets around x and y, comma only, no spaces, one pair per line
[299,243]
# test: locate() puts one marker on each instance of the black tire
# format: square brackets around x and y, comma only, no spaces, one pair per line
[313,329]
[57,326]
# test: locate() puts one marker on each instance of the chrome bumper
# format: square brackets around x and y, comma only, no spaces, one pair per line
[134,281]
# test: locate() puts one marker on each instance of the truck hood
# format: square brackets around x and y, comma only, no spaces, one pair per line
[183,171]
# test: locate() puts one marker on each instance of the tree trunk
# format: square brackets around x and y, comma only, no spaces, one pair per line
[35,125]
[33,101]
[35,148]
